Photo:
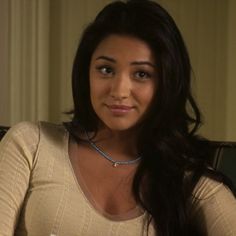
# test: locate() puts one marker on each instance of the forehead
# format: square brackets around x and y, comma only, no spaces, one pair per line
[123,46]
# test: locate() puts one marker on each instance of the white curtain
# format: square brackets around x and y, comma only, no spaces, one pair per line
[24,81]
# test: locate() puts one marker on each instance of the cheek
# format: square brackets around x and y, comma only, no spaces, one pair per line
[99,91]
[94,85]
[146,95]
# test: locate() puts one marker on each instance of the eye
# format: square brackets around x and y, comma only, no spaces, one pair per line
[105,70]
[142,75]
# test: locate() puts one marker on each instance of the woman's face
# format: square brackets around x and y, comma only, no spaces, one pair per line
[123,80]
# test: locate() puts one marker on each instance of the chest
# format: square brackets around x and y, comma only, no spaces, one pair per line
[108,188]
[56,204]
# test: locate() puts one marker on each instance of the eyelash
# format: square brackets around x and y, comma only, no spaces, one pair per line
[147,75]
[100,69]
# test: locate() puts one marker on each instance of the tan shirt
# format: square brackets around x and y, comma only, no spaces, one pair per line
[40,195]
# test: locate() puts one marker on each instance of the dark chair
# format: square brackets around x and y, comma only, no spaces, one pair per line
[3,130]
[222,155]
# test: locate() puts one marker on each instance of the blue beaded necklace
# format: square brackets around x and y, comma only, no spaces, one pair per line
[114,163]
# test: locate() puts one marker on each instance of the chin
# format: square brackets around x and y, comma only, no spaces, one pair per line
[120,126]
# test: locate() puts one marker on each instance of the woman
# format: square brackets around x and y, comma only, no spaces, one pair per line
[128,163]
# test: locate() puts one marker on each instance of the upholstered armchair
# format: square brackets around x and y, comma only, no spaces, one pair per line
[224,158]
[3,130]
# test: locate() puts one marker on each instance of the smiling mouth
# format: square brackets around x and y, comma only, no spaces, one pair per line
[120,109]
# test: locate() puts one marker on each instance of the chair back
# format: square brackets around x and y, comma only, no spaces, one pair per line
[3,130]
[223,158]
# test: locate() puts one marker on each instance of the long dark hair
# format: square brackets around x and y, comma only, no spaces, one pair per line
[167,139]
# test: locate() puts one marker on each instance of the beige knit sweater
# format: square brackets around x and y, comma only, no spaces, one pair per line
[40,195]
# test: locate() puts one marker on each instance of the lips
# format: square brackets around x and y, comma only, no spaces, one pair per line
[120,109]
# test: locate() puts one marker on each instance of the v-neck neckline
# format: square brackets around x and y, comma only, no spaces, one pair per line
[133,214]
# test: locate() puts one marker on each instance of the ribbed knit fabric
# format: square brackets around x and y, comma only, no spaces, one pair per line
[39,194]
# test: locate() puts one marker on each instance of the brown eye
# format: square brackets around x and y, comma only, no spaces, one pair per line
[141,75]
[105,70]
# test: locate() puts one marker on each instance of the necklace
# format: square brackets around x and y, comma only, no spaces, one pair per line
[106,156]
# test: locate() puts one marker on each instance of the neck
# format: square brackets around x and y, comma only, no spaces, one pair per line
[117,143]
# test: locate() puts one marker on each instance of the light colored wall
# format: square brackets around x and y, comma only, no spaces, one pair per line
[4,63]
[204,24]
[231,73]
[40,38]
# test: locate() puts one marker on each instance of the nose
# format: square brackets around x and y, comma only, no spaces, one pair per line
[120,87]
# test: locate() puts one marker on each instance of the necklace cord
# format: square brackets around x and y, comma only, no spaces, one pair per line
[109,158]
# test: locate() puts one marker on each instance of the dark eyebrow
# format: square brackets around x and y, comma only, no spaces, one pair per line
[132,63]
[143,63]
[106,58]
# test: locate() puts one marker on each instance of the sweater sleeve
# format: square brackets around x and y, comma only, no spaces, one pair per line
[214,208]
[18,150]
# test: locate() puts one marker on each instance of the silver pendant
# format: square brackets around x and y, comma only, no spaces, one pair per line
[115,164]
